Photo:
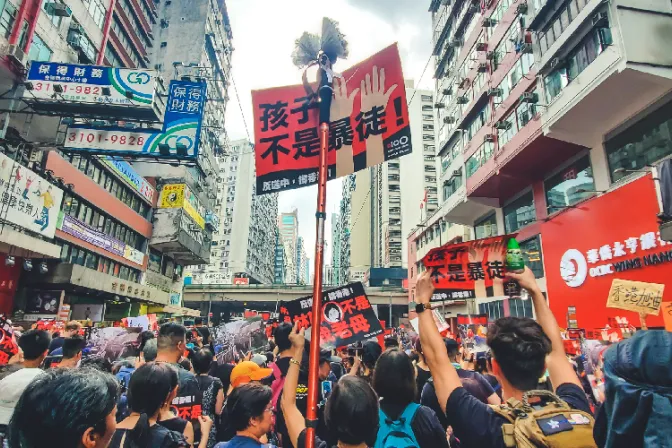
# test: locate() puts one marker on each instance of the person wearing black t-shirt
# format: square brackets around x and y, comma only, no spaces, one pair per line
[351,413]
[422,370]
[522,349]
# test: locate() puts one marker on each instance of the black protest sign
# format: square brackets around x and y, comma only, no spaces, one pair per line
[347,316]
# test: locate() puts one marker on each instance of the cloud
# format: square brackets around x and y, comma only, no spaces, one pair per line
[264,32]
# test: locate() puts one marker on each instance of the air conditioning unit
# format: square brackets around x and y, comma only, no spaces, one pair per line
[457,173]
[457,42]
[494,92]
[503,125]
[464,83]
[489,138]
[482,67]
[489,23]
[554,63]
[462,100]
[57,9]
[601,20]
[16,54]
[447,91]
[76,28]
[481,46]
[522,8]
[439,105]
[449,120]
[529,97]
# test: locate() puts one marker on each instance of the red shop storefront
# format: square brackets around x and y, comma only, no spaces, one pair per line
[608,237]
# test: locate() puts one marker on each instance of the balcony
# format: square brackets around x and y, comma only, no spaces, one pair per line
[596,56]
[178,236]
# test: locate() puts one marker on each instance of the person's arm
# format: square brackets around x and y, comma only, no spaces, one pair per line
[294,420]
[189,433]
[436,357]
[206,425]
[494,399]
[219,404]
[354,370]
[559,368]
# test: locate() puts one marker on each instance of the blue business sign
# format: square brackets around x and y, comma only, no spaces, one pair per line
[179,138]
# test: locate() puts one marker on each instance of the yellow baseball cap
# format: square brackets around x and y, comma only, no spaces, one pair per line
[248,371]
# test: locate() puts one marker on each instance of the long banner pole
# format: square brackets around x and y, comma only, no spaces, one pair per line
[311,415]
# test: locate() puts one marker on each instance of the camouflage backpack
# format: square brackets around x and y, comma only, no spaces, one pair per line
[542,419]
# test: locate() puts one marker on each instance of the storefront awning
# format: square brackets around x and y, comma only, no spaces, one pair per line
[25,246]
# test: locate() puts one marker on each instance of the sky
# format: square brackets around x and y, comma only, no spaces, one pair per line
[264,32]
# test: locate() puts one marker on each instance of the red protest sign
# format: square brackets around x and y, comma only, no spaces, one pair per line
[468,270]
[347,316]
[369,125]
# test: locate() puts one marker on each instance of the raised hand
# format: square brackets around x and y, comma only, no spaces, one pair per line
[373,90]
[342,103]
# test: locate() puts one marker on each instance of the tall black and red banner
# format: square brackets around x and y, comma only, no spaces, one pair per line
[369,125]
[468,270]
[347,316]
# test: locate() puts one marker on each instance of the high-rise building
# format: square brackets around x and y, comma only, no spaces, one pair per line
[302,267]
[279,265]
[547,110]
[336,242]
[245,243]
[345,223]
[389,200]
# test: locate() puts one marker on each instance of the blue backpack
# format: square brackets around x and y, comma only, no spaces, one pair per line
[397,433]
[124,377]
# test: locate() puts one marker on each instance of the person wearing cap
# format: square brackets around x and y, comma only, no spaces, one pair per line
[35,346]
[248,371]
[259,360]
[472,381]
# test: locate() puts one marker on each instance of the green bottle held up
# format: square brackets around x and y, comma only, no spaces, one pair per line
[514,257]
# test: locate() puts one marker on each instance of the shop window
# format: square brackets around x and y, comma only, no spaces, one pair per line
[486,227]
[570,186]
[642,144]
[91,261]
[154,260]
[520,308]
[519,213]
[494,310]
[531,250]
[65,252]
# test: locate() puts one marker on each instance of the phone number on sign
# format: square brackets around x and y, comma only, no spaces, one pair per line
[109,137]
[87,90]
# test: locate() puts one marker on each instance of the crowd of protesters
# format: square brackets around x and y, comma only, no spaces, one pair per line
[428,392]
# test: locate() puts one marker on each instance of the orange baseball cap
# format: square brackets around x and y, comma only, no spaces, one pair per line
[248,371]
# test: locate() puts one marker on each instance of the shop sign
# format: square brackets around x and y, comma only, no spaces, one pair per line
[28,200]
[82,231]
[124,170]
[85,84]
[180,196]
[158,281]
[176,298]
[43,303]
[134,255]
[613,236]
[212,278]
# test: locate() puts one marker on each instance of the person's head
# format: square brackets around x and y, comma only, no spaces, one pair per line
[151,386]
[72,328]
[259,359]
[144,337]
[391,342]
[394,377]
[333,312]
[519,347]
[198,321]
[282,336]
[453,349]
[202,360]
[74,408]
[172,340]
[35,345]
[351,414]
[72,348]
[249,408]
[149,350]
[246,372]
[371,351]
[325,365]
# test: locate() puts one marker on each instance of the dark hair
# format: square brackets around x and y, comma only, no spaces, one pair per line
[282,336]
[73,325]
[72,346]
[482,364]
[198,321]
[246,402]
[519,345]
[144,337]
[202,360]
[99,363]
[149,350]
[34,343]
[148,389]
[391,342]
[351,414]
[394,377]
[371,351]
[170,335]
[65,402]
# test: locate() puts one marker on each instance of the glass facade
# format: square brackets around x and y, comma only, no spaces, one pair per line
[570,186]
[519,213]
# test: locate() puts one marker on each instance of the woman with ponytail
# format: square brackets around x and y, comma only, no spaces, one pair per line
[150,387]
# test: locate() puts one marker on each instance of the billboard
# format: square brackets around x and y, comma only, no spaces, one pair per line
[133,179]
[85,89]
[28,200]
[369,125]
[178,139]
[180,196]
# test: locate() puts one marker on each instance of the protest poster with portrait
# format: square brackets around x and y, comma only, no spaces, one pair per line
[347,316]
[474,269]
[369,125]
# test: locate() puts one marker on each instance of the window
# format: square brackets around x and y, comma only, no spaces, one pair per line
[570,186]
[39,51]
[531,250]
[520,308]
[519,213]
[7,17]
[642,144]
[427,108]
[451,186]
[479,158]
[426,98]
[486,227]
[428,137]
[494,310]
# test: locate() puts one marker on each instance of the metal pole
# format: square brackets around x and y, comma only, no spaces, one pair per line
[311,414]
[390,302]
